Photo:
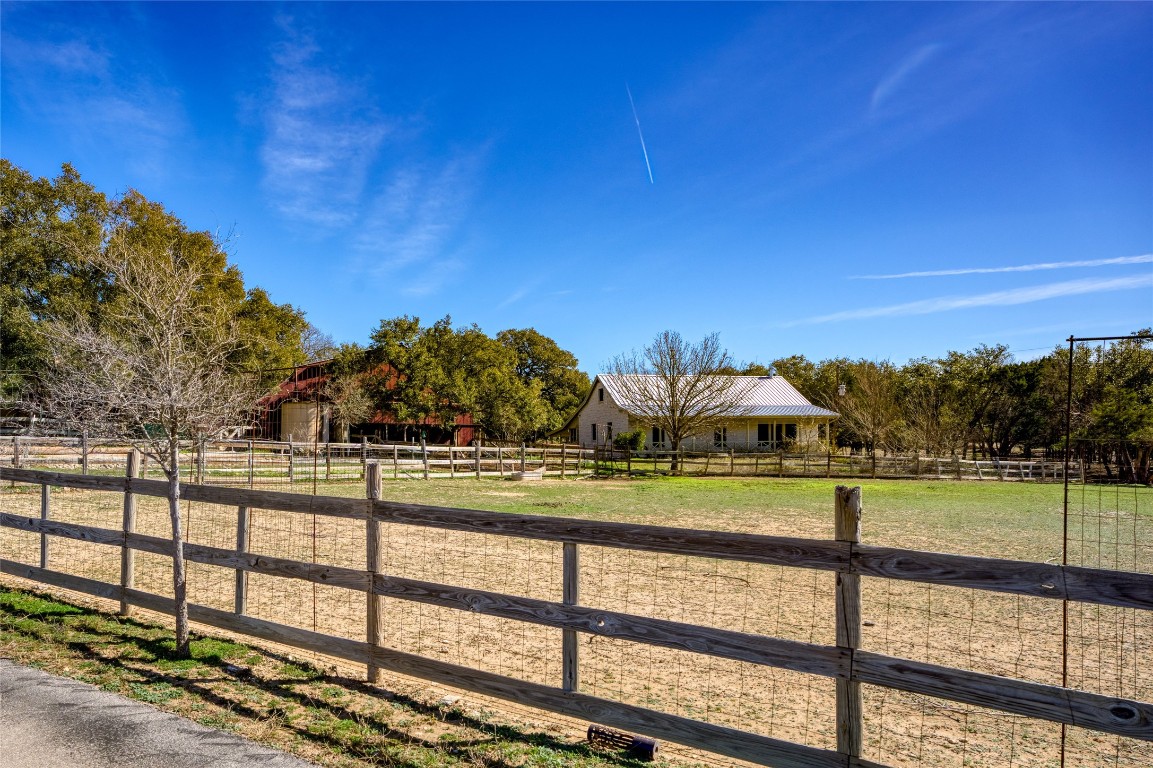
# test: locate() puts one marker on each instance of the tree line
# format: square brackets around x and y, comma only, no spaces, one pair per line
[984,402]
[73,257]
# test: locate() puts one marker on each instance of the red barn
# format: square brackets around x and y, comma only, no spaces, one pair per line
[299,407]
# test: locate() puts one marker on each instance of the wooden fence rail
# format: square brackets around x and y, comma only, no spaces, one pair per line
[264,462]
[844,662]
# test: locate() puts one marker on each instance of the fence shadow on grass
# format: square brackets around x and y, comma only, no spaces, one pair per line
[138,651]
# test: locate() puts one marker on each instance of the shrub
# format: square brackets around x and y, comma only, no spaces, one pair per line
[632,441]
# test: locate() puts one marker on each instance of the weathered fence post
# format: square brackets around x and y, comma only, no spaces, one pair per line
[874,463]
[16,450]
[476,458]
[570,596]
[84,452]
[732,462]
[849,713]
[251,463]
[45,509]
[242,520]
[373,546]
[424,456]
[363,455]
[500,461]
[395,462]
[780,463]
[127,554]
[201,459]
[291,461]
[563,458]
[522,457]
[328,462]
[828,465]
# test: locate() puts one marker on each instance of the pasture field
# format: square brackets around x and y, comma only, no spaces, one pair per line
[1008,635]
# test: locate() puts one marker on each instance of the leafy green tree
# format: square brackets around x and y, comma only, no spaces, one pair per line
[50,229]
[44,223]
[540,359]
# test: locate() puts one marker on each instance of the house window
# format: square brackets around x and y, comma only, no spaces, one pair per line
[762,434]
[658,437]
[822,431]
[594,433]
[572,434]
[721,437]
[609,432]
[601,394]
[790,431]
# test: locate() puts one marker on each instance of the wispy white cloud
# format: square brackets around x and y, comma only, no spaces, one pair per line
[519,294]
[1146,258]
[415,216]
[322,136]
[433,277]
[994,299]
[897,77]
[97,99]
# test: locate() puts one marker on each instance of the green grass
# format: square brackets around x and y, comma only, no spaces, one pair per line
[993,519]
[282,702]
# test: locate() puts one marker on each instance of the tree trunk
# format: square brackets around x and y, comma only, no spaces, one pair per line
[676,444]
[179,576]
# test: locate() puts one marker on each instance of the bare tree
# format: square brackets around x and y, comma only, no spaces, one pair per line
[153,368]
[350,401]
[871,410]
[678,387]
[317,344]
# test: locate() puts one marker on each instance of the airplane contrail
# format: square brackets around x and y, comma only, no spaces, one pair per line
[641,135]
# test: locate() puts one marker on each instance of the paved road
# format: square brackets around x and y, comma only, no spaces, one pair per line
[52,722]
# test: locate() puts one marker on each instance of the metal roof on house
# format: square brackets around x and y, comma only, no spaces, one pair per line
[758,396]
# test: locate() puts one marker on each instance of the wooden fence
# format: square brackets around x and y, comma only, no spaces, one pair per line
[612,461]
[845,555]
[265,462]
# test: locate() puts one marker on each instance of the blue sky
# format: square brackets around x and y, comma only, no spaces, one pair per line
[877,180]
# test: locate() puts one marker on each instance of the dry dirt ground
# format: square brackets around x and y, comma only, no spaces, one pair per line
[987,632]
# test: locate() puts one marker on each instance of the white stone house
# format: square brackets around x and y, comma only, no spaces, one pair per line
[771,415]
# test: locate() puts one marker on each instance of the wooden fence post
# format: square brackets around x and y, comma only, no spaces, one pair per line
[563,457]
[874,463]
[570,596]
[201,460]
[291,461]
[522,457]
[500,461]
[373,546]
[328,462]
[84,453]
[424,456]
[780,463]
[363,455]
[451,466]
[849,713]
[251,463]
[242,522]
[45,508]
[16,450]
[395,462]
[732,462]
[476,453]
[127,554]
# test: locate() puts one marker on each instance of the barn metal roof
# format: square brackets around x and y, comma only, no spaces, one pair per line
[759,396]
